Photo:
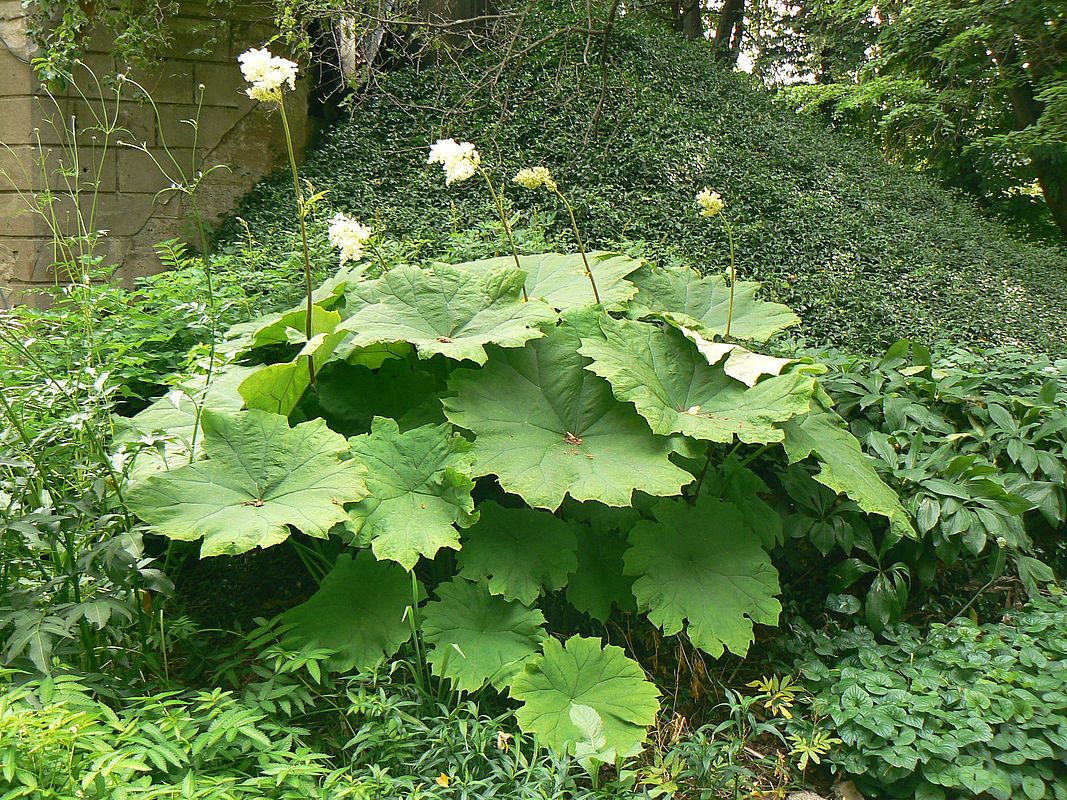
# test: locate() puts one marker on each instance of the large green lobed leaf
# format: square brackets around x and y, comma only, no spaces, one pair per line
[674,388]
[560,279]
[258,478]
[548,428]
[478,637]
[583,674]
[702,303]
[419,488]
[451,311]
[703,566]
[520,551]
[358,611]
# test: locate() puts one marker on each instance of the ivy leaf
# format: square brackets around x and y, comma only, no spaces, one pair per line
[845,468]
[547,428]
[358,612]
[450,311]
[278,388]
[259,477]
[478,637]
[674,388]
[174,417]
[520,551]
[419,487]
[560,280]
[584,674]
[350,396]
[703,565]
[683,297]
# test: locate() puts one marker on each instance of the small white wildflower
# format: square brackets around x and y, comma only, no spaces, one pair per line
[535,178]
[693,410]
[460,160]
[1002,542]
[710,203]
[348,236]
[267,74]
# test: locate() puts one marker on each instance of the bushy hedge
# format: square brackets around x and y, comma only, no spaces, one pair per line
[866,253]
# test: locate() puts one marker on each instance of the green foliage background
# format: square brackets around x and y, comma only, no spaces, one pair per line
[866,253]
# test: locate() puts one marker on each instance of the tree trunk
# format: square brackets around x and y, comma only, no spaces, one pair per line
[1051,176]
[688,16]
[728,33]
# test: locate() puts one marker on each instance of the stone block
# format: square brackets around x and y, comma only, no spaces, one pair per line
[223,85]
[171,81]
[16,215]
[140,172]
[29,167]
[200,38]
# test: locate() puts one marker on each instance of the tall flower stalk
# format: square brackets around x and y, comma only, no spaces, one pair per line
[461,161]
[268,76]
[710,204]
[541,177]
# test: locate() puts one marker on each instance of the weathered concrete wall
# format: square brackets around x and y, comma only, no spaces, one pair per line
[233,131]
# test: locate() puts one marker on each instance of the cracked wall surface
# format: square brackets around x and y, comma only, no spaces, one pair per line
[119,185]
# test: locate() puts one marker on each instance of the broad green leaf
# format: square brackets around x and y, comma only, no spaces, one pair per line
[546,427]
[599,582]
[845,468]
[349,397]
[478,637]
[449,311]
[278,388]
[683,297]
[674,388]
[419,487]
[560,280]
[358,612]
[743,487]
[702,566]
[519,550]
[259,476]
[172,418]
[581,673]
[281,328]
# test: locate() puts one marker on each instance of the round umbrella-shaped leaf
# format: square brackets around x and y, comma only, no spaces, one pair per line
[674,388]
[583,674]
[703,565]
[170,421]
[599,582]
[258,478]
[546,427]
[451,311]
[358,612]
[419,487]
[519,551]
[684,297]
[560,280]
[477,637]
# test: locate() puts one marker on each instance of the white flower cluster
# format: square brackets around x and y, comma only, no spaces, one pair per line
[710,203]
[460,160]
[348,236]
[535,178]
[267,74]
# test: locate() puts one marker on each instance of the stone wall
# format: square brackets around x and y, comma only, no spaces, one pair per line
[233,131]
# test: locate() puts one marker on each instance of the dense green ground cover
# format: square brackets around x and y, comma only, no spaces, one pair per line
[866,253]
[159,690]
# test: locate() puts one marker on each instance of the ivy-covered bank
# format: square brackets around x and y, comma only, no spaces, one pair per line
[865,253]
